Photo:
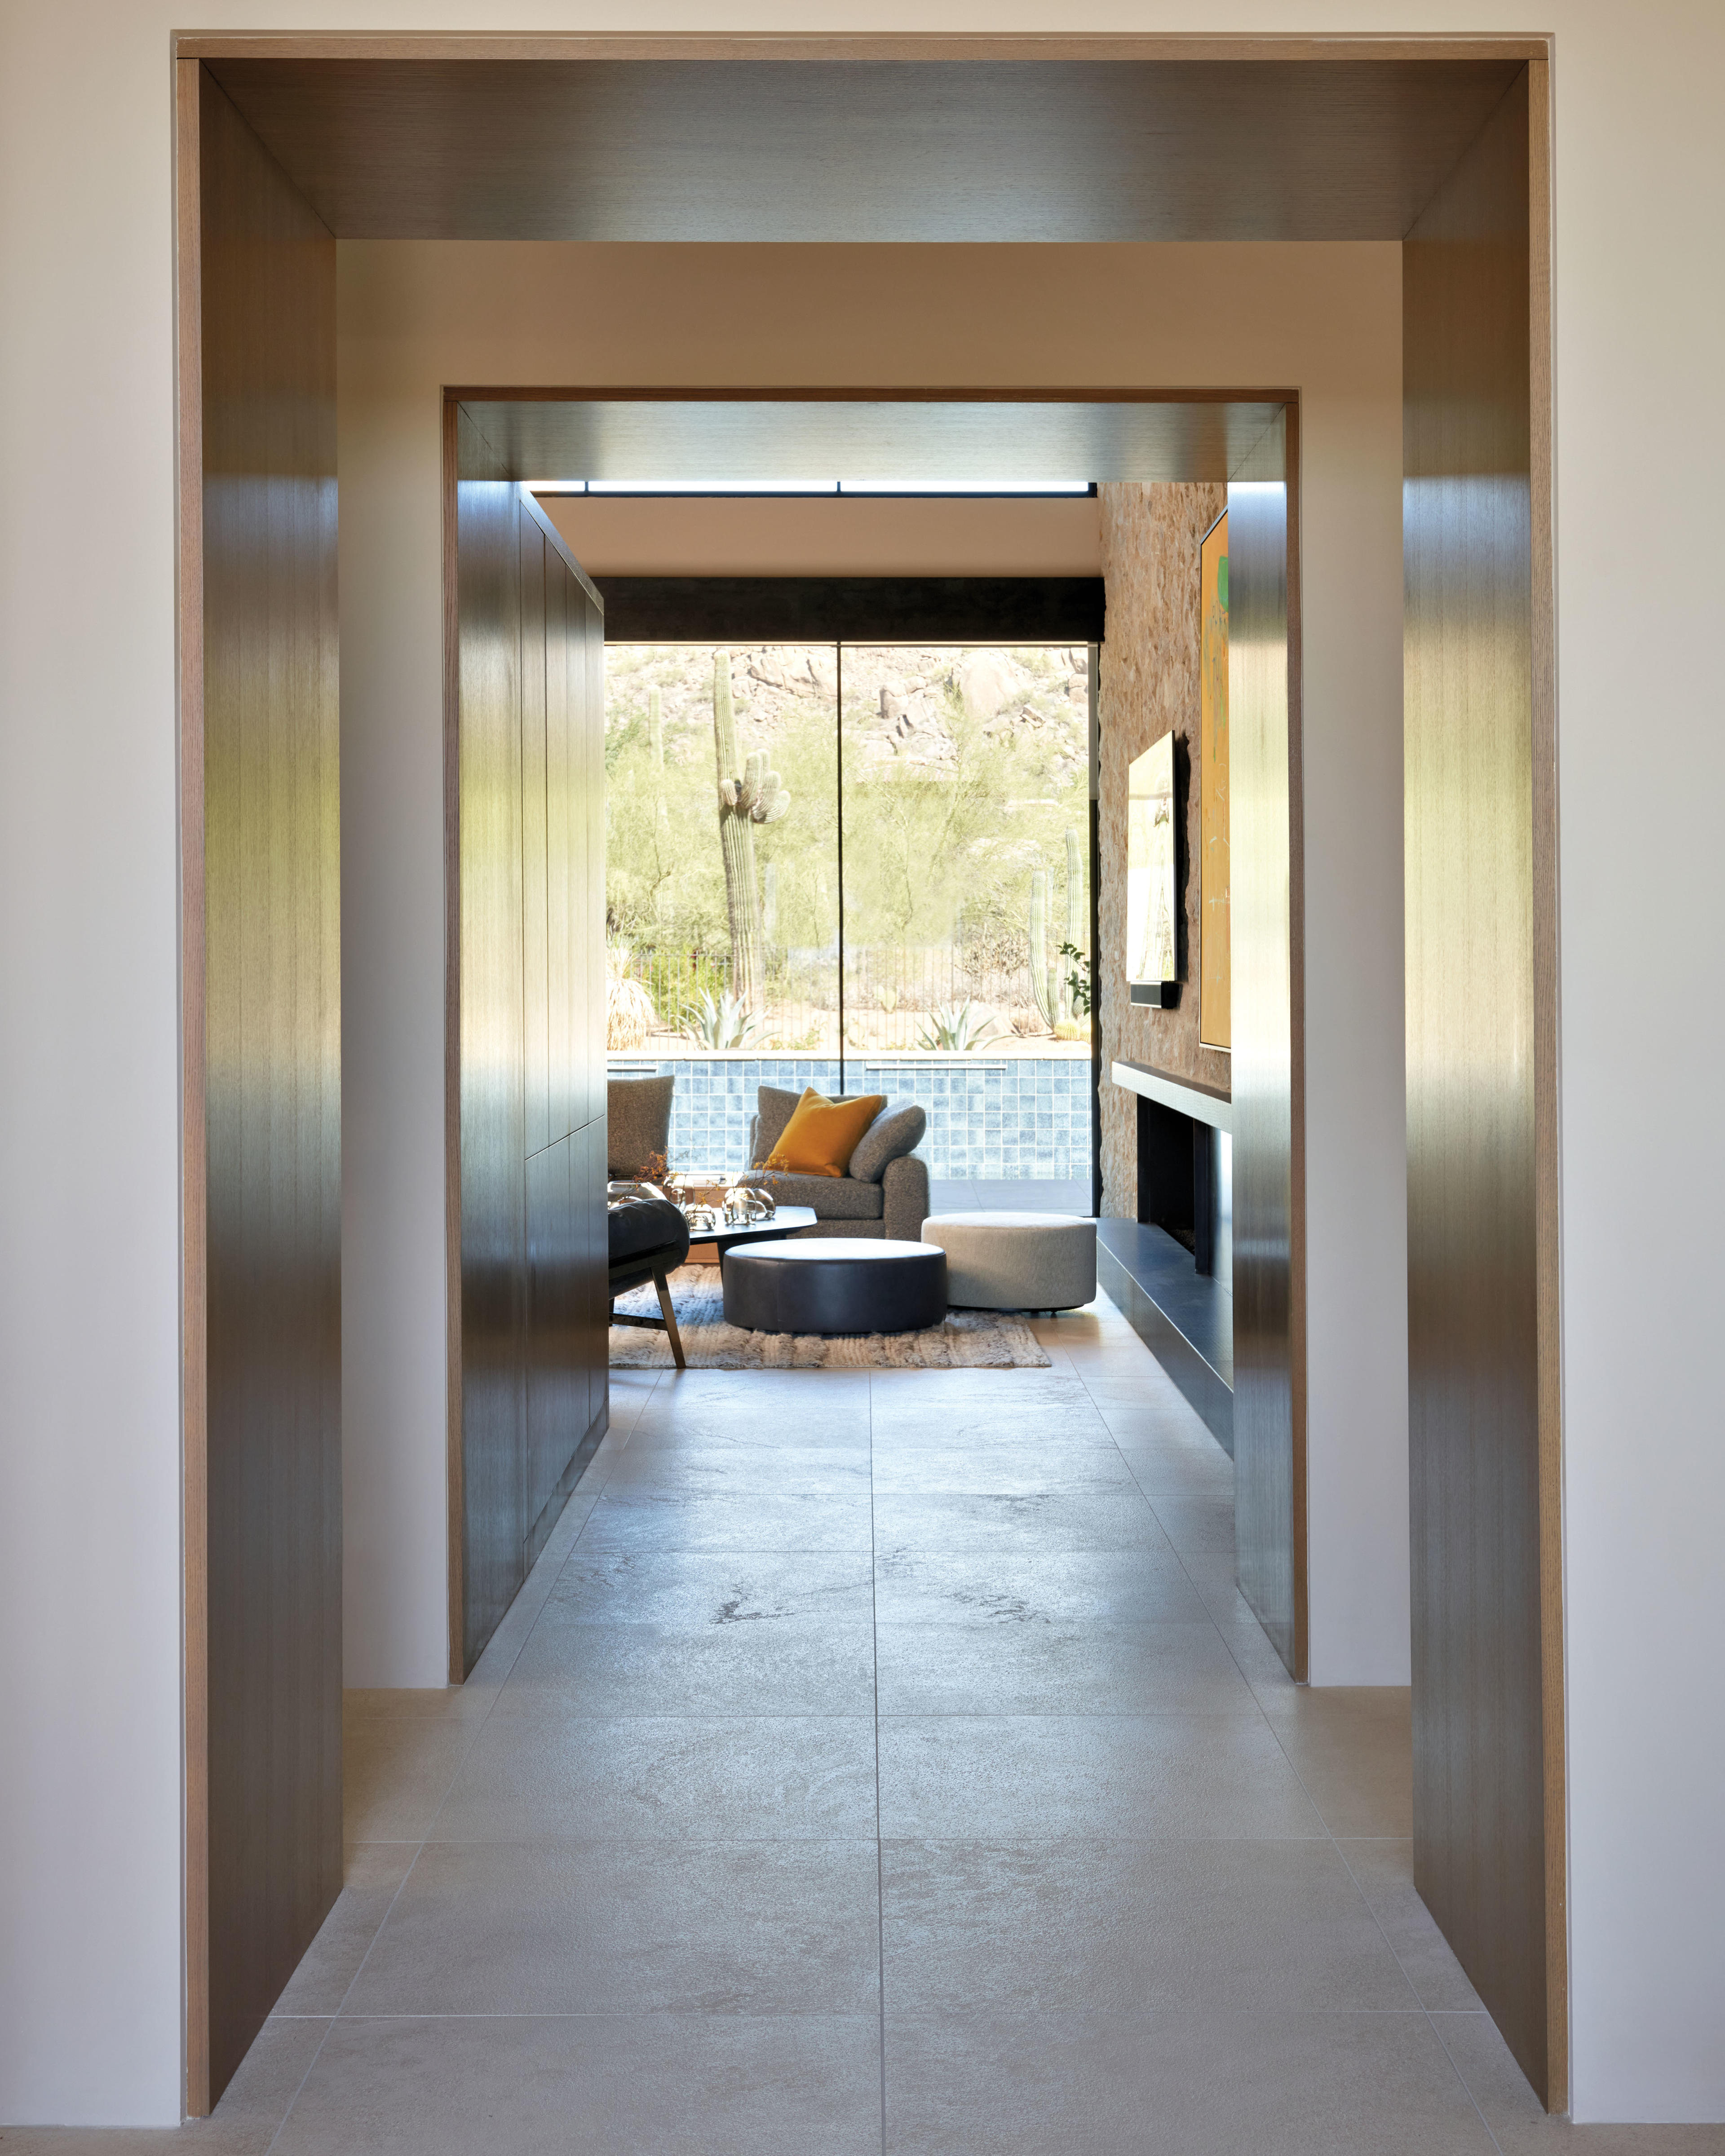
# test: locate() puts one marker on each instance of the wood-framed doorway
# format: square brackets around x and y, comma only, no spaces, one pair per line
[260,1069]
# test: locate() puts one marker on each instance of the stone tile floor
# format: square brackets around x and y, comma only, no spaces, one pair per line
[884,1763]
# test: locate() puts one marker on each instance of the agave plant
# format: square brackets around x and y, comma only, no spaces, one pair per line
[728,1023]
[958,1027]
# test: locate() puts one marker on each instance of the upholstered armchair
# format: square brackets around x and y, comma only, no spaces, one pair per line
[884,1194]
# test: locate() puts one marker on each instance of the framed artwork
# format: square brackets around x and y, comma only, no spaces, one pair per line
[1216,975]
[1152,884]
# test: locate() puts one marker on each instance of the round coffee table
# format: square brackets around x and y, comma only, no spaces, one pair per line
[836,1284]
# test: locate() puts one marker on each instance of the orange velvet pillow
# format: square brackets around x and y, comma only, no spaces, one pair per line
[822,1134]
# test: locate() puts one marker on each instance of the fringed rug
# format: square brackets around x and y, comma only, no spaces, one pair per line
[965,1340]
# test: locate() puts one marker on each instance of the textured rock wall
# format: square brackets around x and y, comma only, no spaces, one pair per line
[1148,687]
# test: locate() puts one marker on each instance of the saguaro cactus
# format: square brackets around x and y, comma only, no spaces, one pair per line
[754,797]
[1043,984]
[1075,912]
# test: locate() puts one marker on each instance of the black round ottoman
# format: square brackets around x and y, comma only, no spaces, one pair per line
[836,1284]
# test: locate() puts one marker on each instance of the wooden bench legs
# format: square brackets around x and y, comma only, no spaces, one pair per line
[666,1323]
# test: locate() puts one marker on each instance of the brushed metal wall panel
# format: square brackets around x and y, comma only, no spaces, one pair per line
[557,1383]
[1478,1769]
[1268,1522]
[860,148]
[559,915]
[530,846]
[492,1055]
[270,1818]
[536,955]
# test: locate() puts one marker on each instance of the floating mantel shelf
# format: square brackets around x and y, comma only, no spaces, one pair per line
[1198,1102]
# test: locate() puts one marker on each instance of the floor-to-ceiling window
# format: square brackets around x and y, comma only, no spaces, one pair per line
[862,868]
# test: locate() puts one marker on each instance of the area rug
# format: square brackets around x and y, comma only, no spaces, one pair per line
[966,1340]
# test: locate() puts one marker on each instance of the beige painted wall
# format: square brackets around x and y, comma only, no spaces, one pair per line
[89,1556]
[639,537]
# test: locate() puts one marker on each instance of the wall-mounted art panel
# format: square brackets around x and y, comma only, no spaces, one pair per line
[1215,1016]
[1152,956]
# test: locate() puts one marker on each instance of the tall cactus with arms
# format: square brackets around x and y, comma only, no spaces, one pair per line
[755,796]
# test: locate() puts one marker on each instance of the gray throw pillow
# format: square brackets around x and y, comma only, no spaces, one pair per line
[637,1121]
[774,1110]
[897,1131]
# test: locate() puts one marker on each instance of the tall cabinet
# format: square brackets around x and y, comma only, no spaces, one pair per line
[528,1378]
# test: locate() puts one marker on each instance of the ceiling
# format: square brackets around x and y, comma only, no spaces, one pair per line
[861,149]
[753,438]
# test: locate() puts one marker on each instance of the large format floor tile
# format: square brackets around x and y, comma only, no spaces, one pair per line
[700,1590]
[884,1761]
[1016,1525]
[561,1928]
[676,1777]
[1122,1927]
[762,1520]
[815,1665]
[1009,1465]
[1181,2083]
[1041,1587]
[1028,1777]
[1353,1749]
[1091,1665]
[395,1773]
[372,1879]
[703,1468]
[602,2085]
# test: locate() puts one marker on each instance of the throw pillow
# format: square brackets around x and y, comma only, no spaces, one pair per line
[775,1107]
[897,1131]
[638,1123]
[822,1135]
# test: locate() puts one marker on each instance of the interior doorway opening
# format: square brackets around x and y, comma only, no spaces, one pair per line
[1248,445]
[297,104]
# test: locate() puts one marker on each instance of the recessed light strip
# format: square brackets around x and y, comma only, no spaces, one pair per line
[814,487]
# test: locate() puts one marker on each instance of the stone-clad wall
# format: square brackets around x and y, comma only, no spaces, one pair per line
[1148,686]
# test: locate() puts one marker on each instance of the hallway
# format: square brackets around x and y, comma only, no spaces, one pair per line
[875,1748]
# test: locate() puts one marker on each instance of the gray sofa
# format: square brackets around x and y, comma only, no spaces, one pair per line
[886,1192]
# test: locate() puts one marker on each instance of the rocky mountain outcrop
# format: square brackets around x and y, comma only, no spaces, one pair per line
[901,703]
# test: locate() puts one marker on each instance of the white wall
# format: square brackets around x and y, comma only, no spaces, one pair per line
[415,315]
[90,1950]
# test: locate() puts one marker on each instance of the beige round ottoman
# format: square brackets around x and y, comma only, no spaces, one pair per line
[1016,1260]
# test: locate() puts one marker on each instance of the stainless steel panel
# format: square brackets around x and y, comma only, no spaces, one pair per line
[530,766]
[1269,1523]
[265,1813]
[557,1384]
[535,979]
[592,764]
[1480,1818]
[492,1056]
[561,995]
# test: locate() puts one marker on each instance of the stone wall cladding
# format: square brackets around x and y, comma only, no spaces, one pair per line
[1020,1116]
[1149,686]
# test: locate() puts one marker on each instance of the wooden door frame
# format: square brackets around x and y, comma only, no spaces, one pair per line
[187,49]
